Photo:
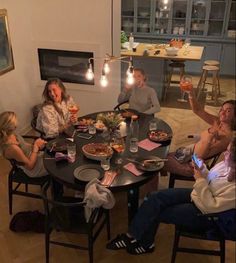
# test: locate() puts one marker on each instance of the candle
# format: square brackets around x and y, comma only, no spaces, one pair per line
[123,131]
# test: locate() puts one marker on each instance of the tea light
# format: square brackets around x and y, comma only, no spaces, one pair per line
[123,129]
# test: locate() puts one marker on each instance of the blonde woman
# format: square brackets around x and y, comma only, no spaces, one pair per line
[27,156]
[54,117]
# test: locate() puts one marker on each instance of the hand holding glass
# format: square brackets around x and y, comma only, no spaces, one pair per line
[185,86]
[73,110]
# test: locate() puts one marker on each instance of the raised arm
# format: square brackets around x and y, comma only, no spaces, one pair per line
[125,94]
[199,109]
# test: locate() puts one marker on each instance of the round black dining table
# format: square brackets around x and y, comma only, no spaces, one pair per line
[63,172]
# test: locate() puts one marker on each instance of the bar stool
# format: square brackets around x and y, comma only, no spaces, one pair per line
[215,81]
[214,63]
[174,65]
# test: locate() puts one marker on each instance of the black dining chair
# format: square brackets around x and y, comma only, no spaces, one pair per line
[67,214]
[35,111]
[122,105]
[210,162]
[224,229]
[17,178]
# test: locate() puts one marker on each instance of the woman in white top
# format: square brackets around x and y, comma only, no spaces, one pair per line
[214,191]
[54,116]
[141,97]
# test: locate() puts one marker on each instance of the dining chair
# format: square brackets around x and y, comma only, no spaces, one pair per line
[35,111]
[67,215]
[122,105]
[224,229]
[210,162]
[18,178]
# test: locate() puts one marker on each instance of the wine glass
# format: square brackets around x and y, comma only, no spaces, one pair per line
[118,144]
[185,86]
[73,110]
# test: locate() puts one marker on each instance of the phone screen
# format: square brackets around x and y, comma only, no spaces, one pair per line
[85,136]
[196,160]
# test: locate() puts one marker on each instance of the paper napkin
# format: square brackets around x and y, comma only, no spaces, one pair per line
[148,145]
[131,168]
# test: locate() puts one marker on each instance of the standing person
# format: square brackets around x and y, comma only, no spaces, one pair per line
[141,97]
[27,156]
[54,117]
[214,191]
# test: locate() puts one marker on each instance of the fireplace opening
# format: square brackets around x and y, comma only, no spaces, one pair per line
[69,66]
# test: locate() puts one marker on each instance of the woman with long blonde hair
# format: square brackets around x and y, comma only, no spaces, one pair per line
[27,156]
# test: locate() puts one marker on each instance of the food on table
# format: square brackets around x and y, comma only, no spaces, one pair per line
[86,122]
[118,147]
[159,135]
[99,125]
[99,149]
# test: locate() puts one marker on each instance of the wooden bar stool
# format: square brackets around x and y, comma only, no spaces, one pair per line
[179,65]
[215,81]
[214,63]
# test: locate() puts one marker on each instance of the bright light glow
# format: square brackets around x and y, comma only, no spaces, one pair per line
[89,74]
[165,2]
[165,7]
[130,79]
[106,67]
[103,81]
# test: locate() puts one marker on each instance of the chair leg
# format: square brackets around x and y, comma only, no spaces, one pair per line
[175,245]
[172,181]
[26,188]
[168,84]
[222,251]
[108,225]
[10,185]
[199,86]
[90,248]
[47,244]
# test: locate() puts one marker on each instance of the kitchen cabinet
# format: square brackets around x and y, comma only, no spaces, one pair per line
[211,23]
[228,60]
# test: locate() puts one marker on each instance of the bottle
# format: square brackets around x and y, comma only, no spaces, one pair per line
[131,41]
[134,134]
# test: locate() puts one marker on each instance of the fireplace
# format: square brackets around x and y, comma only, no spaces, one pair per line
[69,66]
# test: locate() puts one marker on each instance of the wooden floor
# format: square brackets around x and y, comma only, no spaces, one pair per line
[29,247]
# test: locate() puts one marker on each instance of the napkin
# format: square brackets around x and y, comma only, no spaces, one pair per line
[146,144]
[60,157]
[131,168]
[108,178]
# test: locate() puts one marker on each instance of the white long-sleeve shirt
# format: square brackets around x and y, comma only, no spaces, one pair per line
[141,99]
[214,193]
[49,120]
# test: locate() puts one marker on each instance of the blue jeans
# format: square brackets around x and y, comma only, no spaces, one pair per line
[171,206]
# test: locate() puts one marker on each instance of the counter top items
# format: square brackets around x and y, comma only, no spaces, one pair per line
[172,51]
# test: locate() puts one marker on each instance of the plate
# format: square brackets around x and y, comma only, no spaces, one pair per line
[159,136]
[88,172]
[126,45]
[127,114]
[58,145]
[153,167]
[97,151]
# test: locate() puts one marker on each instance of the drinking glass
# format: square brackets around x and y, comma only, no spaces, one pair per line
[71,152]
[105,163]
[153,125]
[73,110]
[185,86]
[92,129]
[187,43]
[118,144]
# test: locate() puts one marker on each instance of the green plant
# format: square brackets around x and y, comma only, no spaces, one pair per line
[111,120]
[123,37]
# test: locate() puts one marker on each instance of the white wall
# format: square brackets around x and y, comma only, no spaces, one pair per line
[74,24]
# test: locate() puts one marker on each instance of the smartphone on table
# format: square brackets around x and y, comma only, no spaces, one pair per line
[85,136]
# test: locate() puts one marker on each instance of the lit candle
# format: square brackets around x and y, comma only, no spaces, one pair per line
[123,131]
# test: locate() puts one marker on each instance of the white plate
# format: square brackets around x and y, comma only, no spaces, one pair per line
[88,172]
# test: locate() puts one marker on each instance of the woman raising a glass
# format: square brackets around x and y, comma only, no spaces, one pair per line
[58,111]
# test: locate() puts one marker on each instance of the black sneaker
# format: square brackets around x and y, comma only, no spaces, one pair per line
[120,242]
[135,248]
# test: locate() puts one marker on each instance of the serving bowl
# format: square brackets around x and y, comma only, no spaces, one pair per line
[172,51]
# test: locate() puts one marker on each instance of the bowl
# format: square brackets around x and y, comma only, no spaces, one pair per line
[172,51]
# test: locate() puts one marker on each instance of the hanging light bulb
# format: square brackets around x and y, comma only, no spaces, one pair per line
[89,73]
[130,79]
[106,67]
[103,80]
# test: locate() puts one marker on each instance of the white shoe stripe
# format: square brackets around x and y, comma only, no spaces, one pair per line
[117,244]
[123,243]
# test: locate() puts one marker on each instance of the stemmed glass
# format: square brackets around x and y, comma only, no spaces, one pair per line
[118,144]
[185,86]
[73,110]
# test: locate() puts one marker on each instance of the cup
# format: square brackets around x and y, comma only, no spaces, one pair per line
[153,125]
[92,129]
[133,145]
[71,152]
[105,163]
